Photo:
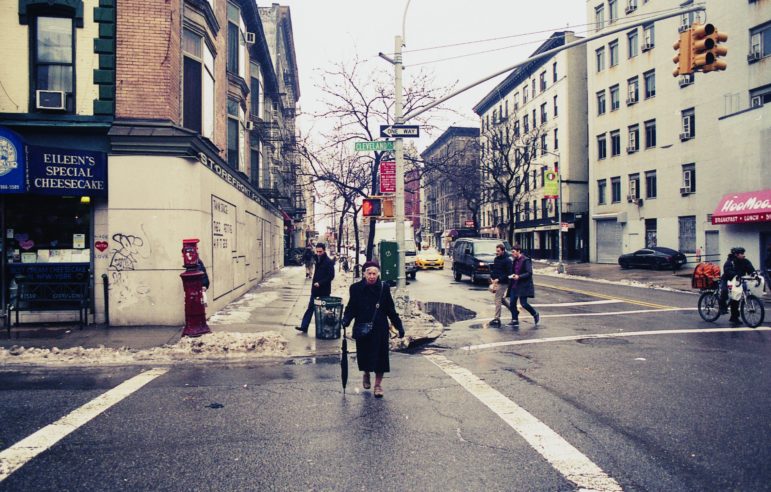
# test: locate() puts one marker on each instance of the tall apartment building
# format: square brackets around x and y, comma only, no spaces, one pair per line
[447,210]
[679,162]
[543,100]
[137,121]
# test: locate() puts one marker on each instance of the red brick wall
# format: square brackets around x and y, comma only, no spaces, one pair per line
[148,59]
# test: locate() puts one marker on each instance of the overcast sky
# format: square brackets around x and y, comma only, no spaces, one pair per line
[331,31]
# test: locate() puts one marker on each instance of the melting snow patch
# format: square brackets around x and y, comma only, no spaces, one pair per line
[240,310]
[206,347]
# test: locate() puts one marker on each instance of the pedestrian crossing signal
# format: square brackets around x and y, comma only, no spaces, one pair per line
[371,207]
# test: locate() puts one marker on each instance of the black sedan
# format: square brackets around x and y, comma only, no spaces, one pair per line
[656,257]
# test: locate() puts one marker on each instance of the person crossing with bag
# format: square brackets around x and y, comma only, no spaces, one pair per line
[499,279]
[370,303]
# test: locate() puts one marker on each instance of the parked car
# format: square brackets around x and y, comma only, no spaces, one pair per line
[474,257]
[429,258]
[655,257]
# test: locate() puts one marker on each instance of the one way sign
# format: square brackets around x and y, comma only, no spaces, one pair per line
[400,131]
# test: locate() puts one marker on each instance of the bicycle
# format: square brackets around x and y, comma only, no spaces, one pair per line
[751,307]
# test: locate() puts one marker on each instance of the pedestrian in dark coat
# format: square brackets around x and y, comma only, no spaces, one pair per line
[499,279]
[323,275]
[372,350]
[521,286]
[736,265]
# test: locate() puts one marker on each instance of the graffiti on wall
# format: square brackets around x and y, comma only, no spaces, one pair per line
[125,256]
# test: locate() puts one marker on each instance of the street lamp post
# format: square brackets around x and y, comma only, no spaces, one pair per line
[560,265]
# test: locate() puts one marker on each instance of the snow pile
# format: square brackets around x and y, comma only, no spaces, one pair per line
[552,272]
[204,348]
[240,310]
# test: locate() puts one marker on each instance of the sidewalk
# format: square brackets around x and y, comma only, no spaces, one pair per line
[266,313]
[679,280]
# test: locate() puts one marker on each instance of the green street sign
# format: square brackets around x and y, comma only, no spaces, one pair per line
[373,146]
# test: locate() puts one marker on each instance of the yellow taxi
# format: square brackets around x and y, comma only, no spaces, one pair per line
[429,258]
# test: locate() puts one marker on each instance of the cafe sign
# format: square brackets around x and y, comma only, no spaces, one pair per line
[69,172]
[12,159]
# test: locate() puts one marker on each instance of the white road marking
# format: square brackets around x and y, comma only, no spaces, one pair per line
[581,303]
[562,455]
[16,456]
[609,313]
[610,335]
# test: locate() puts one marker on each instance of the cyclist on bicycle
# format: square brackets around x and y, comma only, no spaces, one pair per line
[735,266]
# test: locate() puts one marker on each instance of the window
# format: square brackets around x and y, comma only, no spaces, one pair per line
[53,70]
[689,179]
[634,139]
[650,233]
[234,39]
[542,80]
[544,169]
[631,6]
[543,113]
[615,143]
[516,102]
[554,72]
[633,91]
[534,89]
[601,102]
[633,41]
[687,234]
[525,124]
[650,134]
[649,40]
[613,49]
[516,129]
[760,96]
[544,207]
[555,106]
[556,140]
[650,184]
[599,17]
[525,94]
[602,151]
[197,85]
[235,135]
[602,185]
[600,57]
[612,11]
[688,118]
[544,145]
[506,105]
[615,101]
[534,120]
[650,84]
[634,187]
[254,152]
[615,189]
[760,42]
[255,89]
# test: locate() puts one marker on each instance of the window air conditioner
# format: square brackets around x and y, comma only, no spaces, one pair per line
[250,125]
[50,100]
[251,38]
[647,46]
[753,56]
[756,102]
[685,136]
[631,100]
[631,198]
[685,190]
[685,81]
[631,149]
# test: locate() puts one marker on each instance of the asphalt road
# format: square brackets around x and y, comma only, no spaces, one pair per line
[618,388]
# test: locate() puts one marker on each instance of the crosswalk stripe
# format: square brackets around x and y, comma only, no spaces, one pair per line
[14,457]
[563,456]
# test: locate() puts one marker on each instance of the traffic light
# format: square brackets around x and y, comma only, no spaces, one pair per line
[706,48]
[371,207]
[682,59]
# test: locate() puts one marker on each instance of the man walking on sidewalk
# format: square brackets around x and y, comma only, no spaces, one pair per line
[522,286]
[322,283]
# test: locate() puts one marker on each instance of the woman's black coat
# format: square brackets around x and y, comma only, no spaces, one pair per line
[372,351]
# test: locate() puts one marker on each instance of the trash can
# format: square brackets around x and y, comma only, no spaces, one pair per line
[329,316]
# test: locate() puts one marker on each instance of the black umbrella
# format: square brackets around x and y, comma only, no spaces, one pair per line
[344,362]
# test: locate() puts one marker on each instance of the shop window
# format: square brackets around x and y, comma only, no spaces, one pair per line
[41,229]
[53,67]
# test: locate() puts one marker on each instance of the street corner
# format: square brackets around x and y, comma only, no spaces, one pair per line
[419,328]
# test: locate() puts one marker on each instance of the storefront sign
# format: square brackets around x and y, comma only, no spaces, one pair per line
[12,158]
[742,208]
[41,272]
[69,172]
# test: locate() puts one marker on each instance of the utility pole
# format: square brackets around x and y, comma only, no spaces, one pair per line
[560,265]
[399,157]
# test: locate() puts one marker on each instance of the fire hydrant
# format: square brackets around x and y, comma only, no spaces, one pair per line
[192,283]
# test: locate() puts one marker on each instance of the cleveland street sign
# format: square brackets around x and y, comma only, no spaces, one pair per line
[373,146]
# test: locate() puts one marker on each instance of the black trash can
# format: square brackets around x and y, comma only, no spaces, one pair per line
[329,316]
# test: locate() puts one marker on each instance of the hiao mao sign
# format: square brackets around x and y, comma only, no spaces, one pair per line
[12,159]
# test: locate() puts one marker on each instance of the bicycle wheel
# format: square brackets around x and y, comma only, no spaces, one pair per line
[752,311]
[709,306]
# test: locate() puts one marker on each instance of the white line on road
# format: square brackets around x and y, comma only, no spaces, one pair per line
[581,303]
[23,451]
[609,313]
[610,335]
[562,455]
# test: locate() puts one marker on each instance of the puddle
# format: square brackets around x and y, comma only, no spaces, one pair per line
[603,341]
[447,313]
[303,361]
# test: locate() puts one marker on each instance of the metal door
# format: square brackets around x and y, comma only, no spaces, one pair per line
[712,246]
[608,241]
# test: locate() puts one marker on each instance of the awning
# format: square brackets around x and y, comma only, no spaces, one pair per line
[743,208]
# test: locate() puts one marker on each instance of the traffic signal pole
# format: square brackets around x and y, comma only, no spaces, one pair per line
[399,157]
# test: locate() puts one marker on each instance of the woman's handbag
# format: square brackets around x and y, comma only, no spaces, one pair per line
[362,330]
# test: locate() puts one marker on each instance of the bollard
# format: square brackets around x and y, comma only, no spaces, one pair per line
[192,283]
[106,289]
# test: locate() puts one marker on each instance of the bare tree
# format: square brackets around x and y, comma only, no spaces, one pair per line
[507,154]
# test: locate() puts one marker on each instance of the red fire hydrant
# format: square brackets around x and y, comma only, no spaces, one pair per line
[192,283]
